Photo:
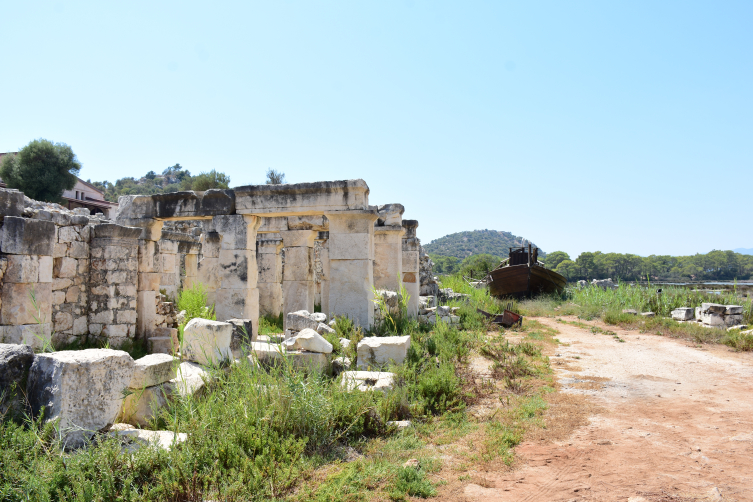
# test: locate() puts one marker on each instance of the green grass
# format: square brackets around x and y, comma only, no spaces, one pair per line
[195,302]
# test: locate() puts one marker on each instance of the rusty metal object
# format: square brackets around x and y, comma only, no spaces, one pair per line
[508,319]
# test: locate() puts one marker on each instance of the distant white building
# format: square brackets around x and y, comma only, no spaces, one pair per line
[83,195]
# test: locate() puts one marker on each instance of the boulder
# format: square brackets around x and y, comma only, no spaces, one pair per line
[319,317]
[300,320]
[368,380]
[83,389]
[153,369]
[379,351]
[15,362]
[207,342]
[308,340]
[683,314]
[191,379]
[604,284]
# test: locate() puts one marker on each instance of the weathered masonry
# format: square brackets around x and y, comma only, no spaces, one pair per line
[260,249]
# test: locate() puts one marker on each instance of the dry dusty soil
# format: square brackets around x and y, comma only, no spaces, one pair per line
[675,423]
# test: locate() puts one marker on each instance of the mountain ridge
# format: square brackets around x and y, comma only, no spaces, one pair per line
[472,242]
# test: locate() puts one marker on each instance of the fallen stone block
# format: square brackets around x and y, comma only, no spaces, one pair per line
[160,345]
[134,439]
[190,379]
[243,334]
[368,380]
[712,319]
[648,314]
[300,320]
[604,284]
[15,362]
[400,424]
[683,314]
[153,369]
[81,388]
[733,320]
[377,351]
[143,405]
[323,329]
[340,364]
[713,307]
[305,360]
[741,327]
[733,310]
[266,353]
[207,342]
[308,340]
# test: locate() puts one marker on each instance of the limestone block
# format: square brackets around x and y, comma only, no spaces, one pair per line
[308,222]
[237,304]
[64,267]
[350,290]
[160,345]
[265,353]
[353,246]
[154,439]
[683,314]
[59,250]
[298,295]
[207,342]
[272,225]
[270,267]
[37,336]
[209,272]
[323,329]
[189,205]
[238,269]
[143,405]
[390,214]
[712,319]
[302,198]
[148,256]
[210,244]
[379,351]
[733,319]
[243,334]
[309,361]
[15,361]
[368,380]
[58,298]
[410,261]
[237,231]
[81,388]
[80,326]
[69,234]
[149,281]
[713,307]
[299,264]
[410,227]
[308,340]
[191,264]
[270,298]
[298,238]
[125,317]
[168,263]
[300,320]
[733,310]
[153,369]
[169,279]
[28,237]
[11,203]
[79,250]
[191,379]
[21,268]
[18,303]
[72,295]
[63,321]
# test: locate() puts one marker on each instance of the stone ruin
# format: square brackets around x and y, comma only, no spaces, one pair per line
[67,276]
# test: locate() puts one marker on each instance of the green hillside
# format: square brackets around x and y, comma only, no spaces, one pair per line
[464,244]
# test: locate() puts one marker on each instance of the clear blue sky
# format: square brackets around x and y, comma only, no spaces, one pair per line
[611,125]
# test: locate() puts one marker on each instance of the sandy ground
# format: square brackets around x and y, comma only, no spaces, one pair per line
[676,423]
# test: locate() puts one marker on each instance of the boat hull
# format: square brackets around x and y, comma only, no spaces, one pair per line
[522,280]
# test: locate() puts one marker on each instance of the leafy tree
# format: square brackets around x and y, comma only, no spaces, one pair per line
[41,170]
[212,179]
[445,265]
[555,258]
[567,269]
[150,175]
[275,177]
[479,265]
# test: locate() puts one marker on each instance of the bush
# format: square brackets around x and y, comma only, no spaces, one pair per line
[194,301]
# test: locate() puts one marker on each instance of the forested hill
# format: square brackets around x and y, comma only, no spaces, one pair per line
[464,244]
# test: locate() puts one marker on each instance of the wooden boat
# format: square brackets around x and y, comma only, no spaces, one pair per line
[522,275]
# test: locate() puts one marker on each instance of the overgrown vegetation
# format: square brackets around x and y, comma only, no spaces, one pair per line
[195,301]
[278,433]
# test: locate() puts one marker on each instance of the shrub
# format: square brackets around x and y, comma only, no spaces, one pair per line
[194,301]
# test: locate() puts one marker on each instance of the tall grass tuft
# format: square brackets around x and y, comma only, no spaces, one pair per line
[195,302]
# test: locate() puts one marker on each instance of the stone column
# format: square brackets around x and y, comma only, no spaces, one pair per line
[170,276]
[112,283]
[269,261]
[238,295]
[351,260]
[149,278]
[209,264]
[411,270]
[26,313]
[323,237]
[298,272]
[388,257]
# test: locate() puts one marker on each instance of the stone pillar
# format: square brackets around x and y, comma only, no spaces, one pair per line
[26,312]
[351,261]
[170,261]
[411,270]
[112,283]
[323,237]
[269,262]
[388,257]
[209,264]
[149,278]
[298,273]
[238,295]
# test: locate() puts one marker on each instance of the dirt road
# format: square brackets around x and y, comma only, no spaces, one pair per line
[676,424]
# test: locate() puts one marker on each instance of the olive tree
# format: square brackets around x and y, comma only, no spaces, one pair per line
[41,170]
